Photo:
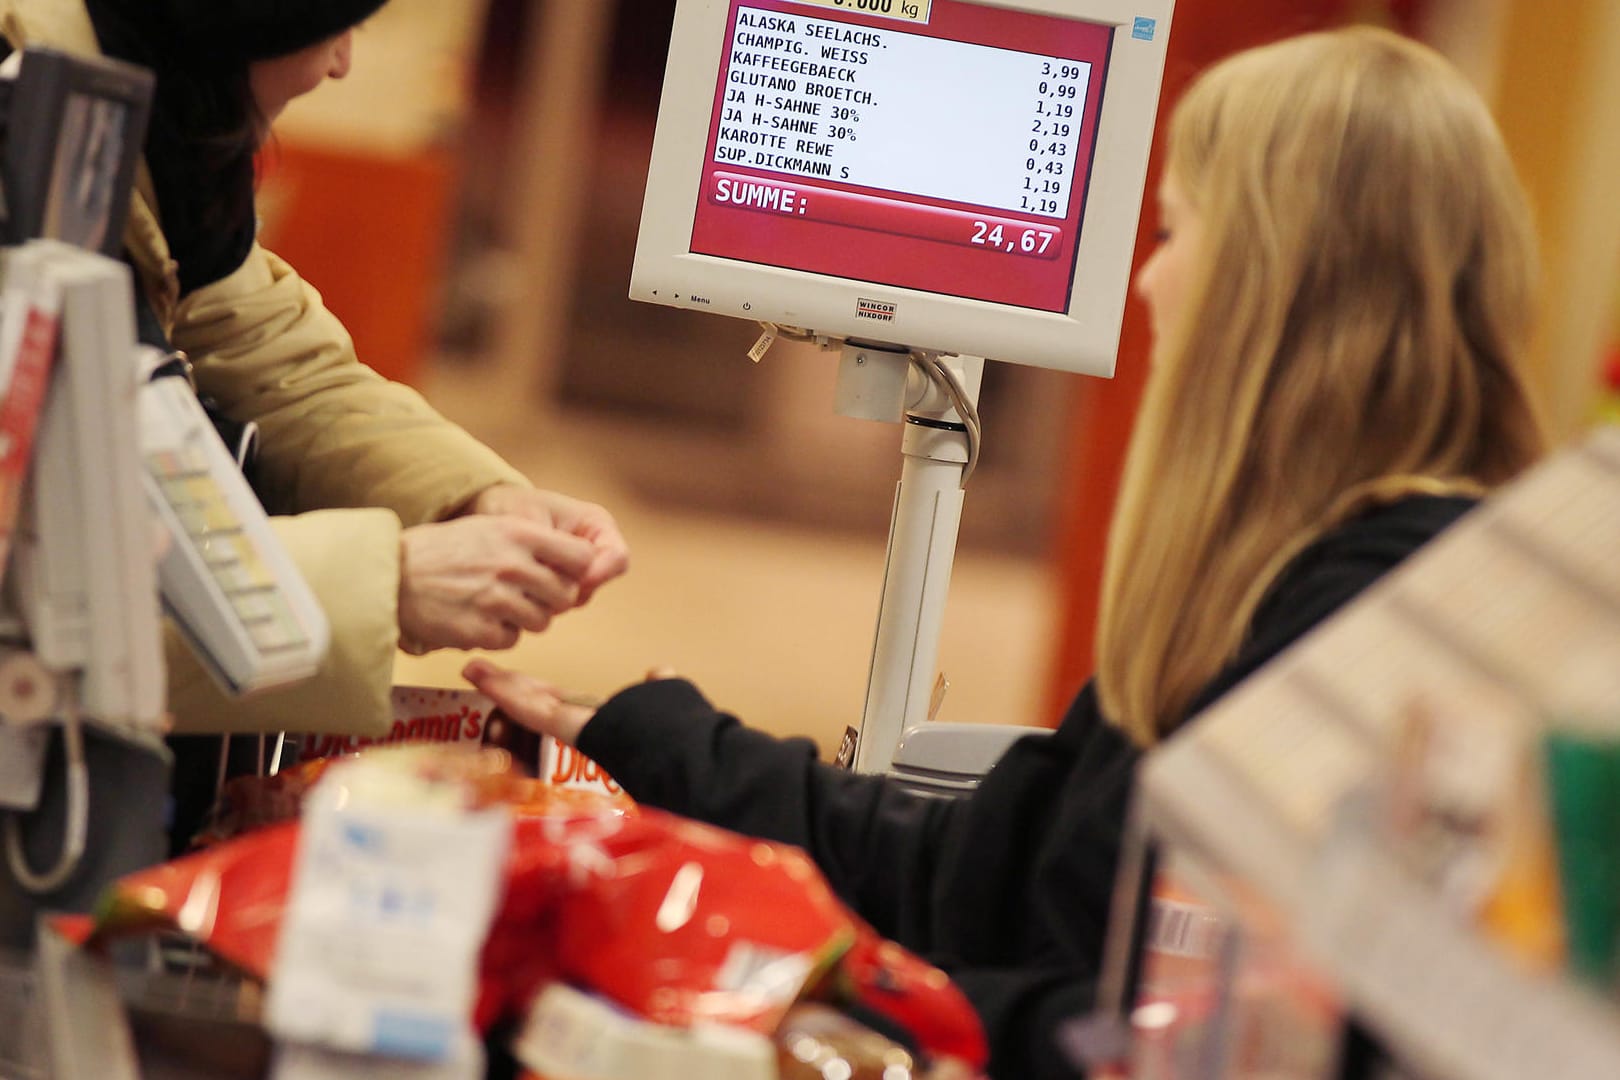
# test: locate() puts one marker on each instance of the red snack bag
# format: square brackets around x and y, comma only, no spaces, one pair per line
[675,921]
[230,897]
[879,975]
[690,923]
[681,923]
[519,954]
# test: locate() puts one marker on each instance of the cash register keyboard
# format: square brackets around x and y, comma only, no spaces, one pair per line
[224,576]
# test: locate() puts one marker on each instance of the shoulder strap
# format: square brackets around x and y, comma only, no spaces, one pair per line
[241,438]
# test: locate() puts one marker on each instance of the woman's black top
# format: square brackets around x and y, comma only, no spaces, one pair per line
[1007,889]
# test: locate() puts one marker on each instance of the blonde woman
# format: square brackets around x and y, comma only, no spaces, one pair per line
[1339,297]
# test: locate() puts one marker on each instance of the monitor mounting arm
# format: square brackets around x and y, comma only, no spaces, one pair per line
[886,383]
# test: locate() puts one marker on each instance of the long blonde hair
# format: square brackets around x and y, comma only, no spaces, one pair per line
[1361,296]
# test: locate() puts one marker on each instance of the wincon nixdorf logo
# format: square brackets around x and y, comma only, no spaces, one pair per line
[874,309]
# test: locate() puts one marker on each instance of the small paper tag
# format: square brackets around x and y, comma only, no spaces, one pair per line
[1177,928]
[845,758]
[762,346]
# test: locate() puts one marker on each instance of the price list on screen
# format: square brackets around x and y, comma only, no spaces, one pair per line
[923,117]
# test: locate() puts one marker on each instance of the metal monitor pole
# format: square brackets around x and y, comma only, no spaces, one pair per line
[885,383]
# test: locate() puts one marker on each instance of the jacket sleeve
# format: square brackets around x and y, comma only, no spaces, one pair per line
[671,749]
[334,432]
[350,558]
[878,846]
[1024,1009]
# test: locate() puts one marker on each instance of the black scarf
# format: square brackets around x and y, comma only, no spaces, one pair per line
[199,142]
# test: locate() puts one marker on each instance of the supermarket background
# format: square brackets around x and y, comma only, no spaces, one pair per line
[467,201]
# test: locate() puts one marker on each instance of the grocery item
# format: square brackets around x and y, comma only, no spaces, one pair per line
[252,802]
[228,897]
[673,922]
[422,714]
[679,922]
[398,872]
[569,1034]
[817,1041]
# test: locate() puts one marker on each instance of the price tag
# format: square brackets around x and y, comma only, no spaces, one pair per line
[763,345]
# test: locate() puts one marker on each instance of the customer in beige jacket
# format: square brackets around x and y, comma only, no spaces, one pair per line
[410,531]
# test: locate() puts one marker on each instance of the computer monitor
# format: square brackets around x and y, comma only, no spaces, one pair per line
[959,176]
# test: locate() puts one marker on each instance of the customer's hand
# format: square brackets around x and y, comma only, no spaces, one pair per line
[531,703]
[535,704]
[569,515]
[478,582]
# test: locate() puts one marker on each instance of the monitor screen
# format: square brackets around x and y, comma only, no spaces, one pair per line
[844,146]
[956,175]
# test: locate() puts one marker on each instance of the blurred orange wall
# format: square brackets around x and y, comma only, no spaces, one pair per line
[369,231]
[1557,83]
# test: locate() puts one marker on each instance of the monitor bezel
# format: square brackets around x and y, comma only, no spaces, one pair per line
[1083,338]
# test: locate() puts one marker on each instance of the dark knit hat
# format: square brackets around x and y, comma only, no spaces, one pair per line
[249,30]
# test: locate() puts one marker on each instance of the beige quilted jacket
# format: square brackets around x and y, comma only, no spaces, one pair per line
[335,436]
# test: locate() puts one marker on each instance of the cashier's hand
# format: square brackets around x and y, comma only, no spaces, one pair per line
[536,705]
[478,582]
[567,515]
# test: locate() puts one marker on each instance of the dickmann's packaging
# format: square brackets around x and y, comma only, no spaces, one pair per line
[450,720]
[427,714]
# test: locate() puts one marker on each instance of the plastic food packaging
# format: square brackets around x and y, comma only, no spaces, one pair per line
[880,977]
[571,1035]
[672,921]
[425,714]
[686,925]
[817,1041]
[253,802]
[229,897]
[399,869]
[676,921]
